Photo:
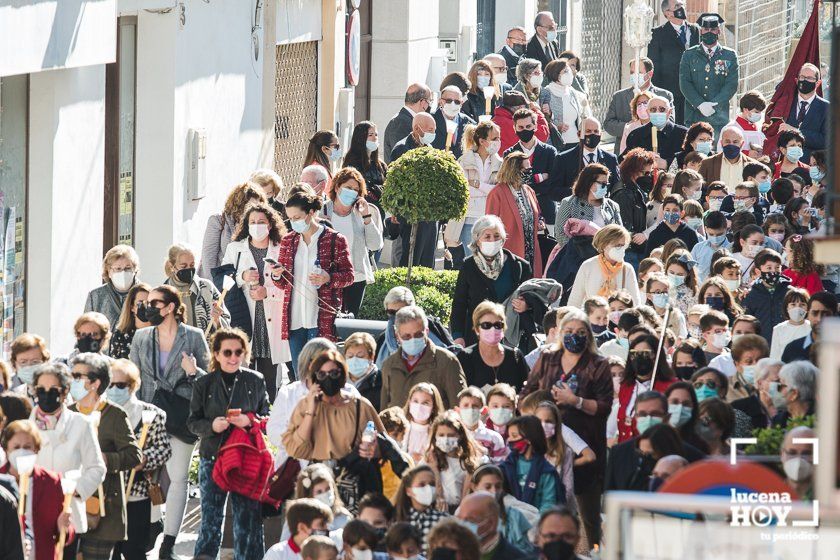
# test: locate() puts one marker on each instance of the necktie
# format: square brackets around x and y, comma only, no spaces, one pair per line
[548,52]
[803,108]
[683,35]
[591,157]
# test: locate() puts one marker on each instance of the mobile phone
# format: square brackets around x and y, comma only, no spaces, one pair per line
[233,412]
[270,261]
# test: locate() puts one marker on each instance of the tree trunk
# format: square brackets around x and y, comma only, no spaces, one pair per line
[411,244]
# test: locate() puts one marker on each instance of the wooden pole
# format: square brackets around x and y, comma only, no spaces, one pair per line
[411,244]
[210,323]
[62,537]
[661,342]
[144,432]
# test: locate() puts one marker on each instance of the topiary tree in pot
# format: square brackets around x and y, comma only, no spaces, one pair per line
[425,185]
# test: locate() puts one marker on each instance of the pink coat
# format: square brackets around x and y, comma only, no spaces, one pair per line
[501,203]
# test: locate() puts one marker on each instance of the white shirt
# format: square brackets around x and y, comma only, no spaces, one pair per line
[724,363]
[800,99]
[785,333]
[344,226]
[570,116]
[613,348]
[304,305]
[416,438]
[281,551]
[573,440]
[597,216]
[407,108]
[731,173]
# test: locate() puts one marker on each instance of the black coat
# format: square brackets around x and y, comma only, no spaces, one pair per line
[211,399]
[511,59]
[406,144]
[542,161]
[797,350]
[766,306]
[506,551]
[567,167]
[535,50]
[633,203]
[440,133]
[371,387]
[398,128]
[662,233]
[665,50]
[627,471]
[513,370]
[670,138]
[473,287]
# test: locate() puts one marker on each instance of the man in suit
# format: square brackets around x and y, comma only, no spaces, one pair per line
[567,164]
[449,115]
[618,114]
[541,156]
[667,45]
[708,76]
[543,45]
[422,134]
[512,51]
[728,164]
[481,510]
[809,112]
[669,136]
[418,98]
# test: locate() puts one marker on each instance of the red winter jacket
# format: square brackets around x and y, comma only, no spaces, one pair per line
[335,262]
[504,120]
[625,393]
[244,464]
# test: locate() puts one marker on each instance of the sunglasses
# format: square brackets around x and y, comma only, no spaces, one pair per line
[322,375]
[227,353]
[486,325]
[711,384]
[391,312]
[78,375]
[120,385]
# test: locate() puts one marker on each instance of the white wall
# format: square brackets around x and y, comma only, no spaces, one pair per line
[43,34]
[458,20]
[513,13]
[66,172]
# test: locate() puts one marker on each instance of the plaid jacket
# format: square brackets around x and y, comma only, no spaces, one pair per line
[157,450]
[335,262]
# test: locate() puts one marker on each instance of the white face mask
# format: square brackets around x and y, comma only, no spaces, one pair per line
[535,80]
[446,444]
[637,80]
[751,250]
[258,232]
[451,109]
[566,79]
[500,416]
[491,248]
[424,495]
[123,280]
[732,285]
[493,147]
[327,498]
[798,469]
[616,253]
[721,340]
[501,78]
[796,314]
[362,554]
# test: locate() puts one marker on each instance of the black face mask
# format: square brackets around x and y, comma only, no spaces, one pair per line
[88,344]
[805,86]
[598,329]
[771,278]
[654,483]
[679,13]
[645,183]
[185,275]
[149,314]
[518,49]
[331,386]
[684,372]
[591,141]
[646,463]
[48,401]
[642,364]
[559,550]
[525,135]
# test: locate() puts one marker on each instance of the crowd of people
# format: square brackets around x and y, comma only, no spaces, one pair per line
[618,315]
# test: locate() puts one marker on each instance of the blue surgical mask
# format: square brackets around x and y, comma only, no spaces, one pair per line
[704,148]
[754,117]
[671,218]
[694,223]
[118,395]
[749,374]
[77,389]
[299,226]
[794,153]
[645,422]
[551,35]
[678,415]
[764,186]
[600,191]
[347,196]
[705,393]
[623,342]
[335,154]
[660,300]
[658,119]
[357,366]
[483,81]
[429,137]
[27,373]
[414,346]
[676,279]
[816,174]
[372,145]
[717,240]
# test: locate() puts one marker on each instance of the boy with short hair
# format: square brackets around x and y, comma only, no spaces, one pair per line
[714,326]
[318,547]
[758,173]
[746,197]
[620,347]
[550,321]
[716,193]
[471,403]
[782,191]
[765,300]
[359,541]
[403,540]
[671,226]
[597,309]
[730,271]
[714,223]
[306,518]
[752,104]
[692,160]
[741,326]
[396,425]
[501,402]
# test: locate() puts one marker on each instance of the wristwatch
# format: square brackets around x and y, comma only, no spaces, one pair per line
[579,404]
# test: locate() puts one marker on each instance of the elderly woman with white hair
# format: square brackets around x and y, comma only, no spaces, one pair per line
[199,295]
[120,268]
[798,387]
[491,273]
[767,400]
[397,298]
[272,185]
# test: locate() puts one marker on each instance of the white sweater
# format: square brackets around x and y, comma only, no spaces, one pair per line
[785,333]
[589,279]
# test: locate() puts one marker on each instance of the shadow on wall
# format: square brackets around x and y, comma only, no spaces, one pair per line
[62,37]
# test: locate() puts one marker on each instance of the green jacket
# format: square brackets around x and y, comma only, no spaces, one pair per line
[703,79]
[121,453]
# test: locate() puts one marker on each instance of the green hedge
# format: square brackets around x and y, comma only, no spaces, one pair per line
[433,290]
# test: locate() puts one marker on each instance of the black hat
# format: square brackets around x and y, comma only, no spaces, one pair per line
[710,21]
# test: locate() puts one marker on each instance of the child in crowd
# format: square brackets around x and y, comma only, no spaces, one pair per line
[680,269]
[403,541]
[597,309]
[619,347]
[802,270]
[617,366]
[672,226]
[715,294]
[693,218]
[501,404]
[416,497]
[693,160]
[715,329]
[319,547]
[550,321]
[454,455]
[692,320]
[359,540]
[795,325]
[619,301]
[648,266]
[517,517]
[716,193]
[729,270]
[529,475]
[714,224]
[396,425]
[304,517]
[748,243]
[765,299]
[316,481]
[658,290]
[423,406]
[471,405]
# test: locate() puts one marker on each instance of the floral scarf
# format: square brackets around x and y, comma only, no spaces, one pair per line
[491,269]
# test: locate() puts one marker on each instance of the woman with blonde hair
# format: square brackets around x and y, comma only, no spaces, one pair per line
[481,163]
[272,185]
[220,227]
[199,295]
[638,116]
[480,77]
[120,268]
[606,272]
[29,351]
[515,203]
[92,332]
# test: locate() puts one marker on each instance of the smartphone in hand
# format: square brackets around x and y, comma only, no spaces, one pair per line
[269,260]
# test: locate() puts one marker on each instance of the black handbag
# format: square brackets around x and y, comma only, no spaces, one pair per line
[235,301]
[176,407]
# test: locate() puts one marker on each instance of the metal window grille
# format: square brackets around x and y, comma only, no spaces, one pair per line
[601,51]
[763,31]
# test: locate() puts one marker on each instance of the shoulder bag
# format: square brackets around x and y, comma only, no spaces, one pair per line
[177,408]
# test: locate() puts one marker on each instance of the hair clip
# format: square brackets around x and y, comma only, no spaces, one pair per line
[796,238]
[688,261]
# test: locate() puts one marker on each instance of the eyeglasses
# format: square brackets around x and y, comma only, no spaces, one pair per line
[710,383]
[322,375]
[455,101]
[642,353]
[96,336]
[657,293]
[486,325]
[117,269]
[119,385]
[227,352]
[155,302]
[420,334]
[806,79]
[78,375]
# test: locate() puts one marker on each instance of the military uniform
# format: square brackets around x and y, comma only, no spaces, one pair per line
[705,78]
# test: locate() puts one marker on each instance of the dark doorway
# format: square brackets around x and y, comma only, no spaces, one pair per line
[362,93]
[485,29]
